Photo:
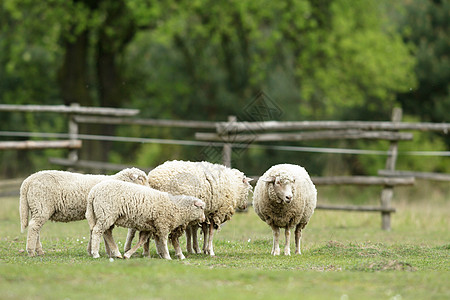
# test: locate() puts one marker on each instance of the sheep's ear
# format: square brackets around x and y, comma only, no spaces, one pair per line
[199,203]
[247,180]
[268,179]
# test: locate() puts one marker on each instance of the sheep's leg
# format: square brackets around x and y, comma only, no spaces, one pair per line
[162,245]
[107,248]
[189,230]
[158,251]
[176,246]
[143,238]
[96,234]
[194,230]
[110,244]
[89,246]
[146,247]
[205,236]
[287,234]
[158,246]
[210,249]
[130,236]
[34,228]
[298,238]
[276,243]
[39,250]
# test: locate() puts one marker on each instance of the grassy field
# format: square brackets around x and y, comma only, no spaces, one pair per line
[345,256]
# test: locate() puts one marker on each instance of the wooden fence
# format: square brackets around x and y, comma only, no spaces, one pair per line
[234,134]
[75,109]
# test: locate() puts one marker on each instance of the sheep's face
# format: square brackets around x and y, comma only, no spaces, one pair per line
[133,175]
[283,188]
[246,188]
[198,211]
[140,179]
[195,207]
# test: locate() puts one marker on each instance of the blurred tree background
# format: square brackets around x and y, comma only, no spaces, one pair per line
[205,60]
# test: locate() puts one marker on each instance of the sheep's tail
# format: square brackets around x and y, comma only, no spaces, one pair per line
[23,205]
[90,212]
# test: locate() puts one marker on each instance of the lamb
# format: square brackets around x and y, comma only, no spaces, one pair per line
[285,197]
[222,189]
[60,196]
[154,213]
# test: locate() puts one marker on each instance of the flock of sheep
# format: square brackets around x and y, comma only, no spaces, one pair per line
[175,197]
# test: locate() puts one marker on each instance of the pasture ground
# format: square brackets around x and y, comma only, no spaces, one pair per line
[345,256]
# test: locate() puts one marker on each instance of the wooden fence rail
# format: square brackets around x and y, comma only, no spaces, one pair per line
[73,109]
[421,175]
[306,136]
[33,145]
[224,127]
[145,122]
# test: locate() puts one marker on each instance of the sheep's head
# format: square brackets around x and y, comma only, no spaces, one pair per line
[282,185]
[198,210]
[133,175]
[245,188]
[192,205]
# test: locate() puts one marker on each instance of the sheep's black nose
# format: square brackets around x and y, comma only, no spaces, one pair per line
[288,199]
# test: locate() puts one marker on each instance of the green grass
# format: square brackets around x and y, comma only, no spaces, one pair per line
[345,256]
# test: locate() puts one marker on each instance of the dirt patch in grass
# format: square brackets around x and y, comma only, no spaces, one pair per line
[391,265]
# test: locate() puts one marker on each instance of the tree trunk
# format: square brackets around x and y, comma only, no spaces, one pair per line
[110,47]
[72,76]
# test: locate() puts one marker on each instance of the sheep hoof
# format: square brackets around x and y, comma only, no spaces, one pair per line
[40,252]
[95,255]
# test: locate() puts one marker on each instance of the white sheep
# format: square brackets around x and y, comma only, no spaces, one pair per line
[154,213]
[222,189]
[285,197]
[60,196]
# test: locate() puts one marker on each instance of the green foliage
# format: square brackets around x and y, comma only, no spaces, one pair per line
[424,23]
[346,62]
[206,60]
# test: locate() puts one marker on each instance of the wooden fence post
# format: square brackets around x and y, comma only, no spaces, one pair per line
[226,154]
[73,133]
[388,191]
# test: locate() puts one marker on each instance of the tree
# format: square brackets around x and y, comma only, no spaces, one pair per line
[425,23]
[318,59]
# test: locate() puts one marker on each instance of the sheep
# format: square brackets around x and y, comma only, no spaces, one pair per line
[154,213]
[285,197]
[60,196]
[222,189]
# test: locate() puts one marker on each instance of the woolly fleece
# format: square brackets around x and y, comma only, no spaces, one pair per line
[145,209]
[222,189]
[278,214]
[60,196]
